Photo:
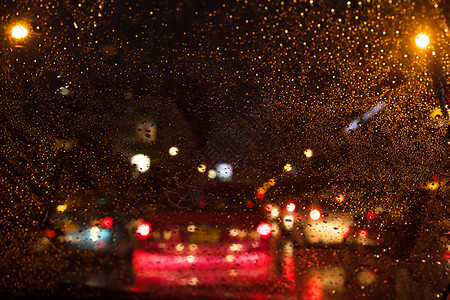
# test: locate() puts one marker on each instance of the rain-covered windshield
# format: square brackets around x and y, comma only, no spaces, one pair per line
[225,149]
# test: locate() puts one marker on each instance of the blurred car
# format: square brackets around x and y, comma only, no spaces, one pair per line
[313,219]
[83,234]
[224,239]
[368,230]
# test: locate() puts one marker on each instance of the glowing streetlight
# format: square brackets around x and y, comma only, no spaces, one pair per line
[212,174]
[141,161]
[19,32]
[422,40]
[308,153]
[173,151]
[61,208]
[201,168]
[287,167]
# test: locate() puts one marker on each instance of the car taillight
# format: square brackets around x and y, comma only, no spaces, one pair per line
[107,222]
[290,207]
[447,255]
[370,215]
[143,230]
[315,214]
[363,233]
[50,233]
[264,230]
[345,231]
[339,198]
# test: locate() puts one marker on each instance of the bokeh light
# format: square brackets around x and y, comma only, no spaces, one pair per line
[19,32]
[143,230]
[107,222]
[201,168]
[224,171]
[308,153]
[264,230]
[94,233]
[141,161]
[370,215]
[315,214]
[212,174]
[339,198]
[61,208]
[64,91]
[290,207]
[422,40]
[363,233]
[173,151]
[146,131]
[287,167]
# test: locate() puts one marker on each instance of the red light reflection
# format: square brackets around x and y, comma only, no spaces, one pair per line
[268,207]
[315,214]
[447,255]
[363,233]
[345,231]
[143,230]
[264,230]
[370,215]
[50,233]
[211,267]
[290,207]
[107,222]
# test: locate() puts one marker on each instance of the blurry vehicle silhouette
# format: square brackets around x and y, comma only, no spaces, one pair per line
[224,239]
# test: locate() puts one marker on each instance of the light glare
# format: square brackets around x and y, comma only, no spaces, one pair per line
[308,153]
[19,32]
[141,161]
[422,40]
[315,214]
[288,167]
[290,207]
[173,151]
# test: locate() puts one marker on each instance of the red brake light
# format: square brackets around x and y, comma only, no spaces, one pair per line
[107,222]
[264,230]
[50,233]
[363,233]
[290,207]
[345,231]
[315,214]
[339,198]
[268,207]
[447,255]
[370,215]
[143,230]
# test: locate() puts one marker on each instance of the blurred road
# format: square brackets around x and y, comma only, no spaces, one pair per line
[293,272]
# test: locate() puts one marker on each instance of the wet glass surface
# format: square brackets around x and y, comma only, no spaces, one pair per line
[213,150]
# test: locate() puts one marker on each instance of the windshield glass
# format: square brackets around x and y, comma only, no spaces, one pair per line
[225,149]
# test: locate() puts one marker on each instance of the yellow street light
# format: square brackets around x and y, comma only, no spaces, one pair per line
[201,168]
[19,32]
[61,208]
[173,151]
[288,167]
[308,153]
[422,40]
